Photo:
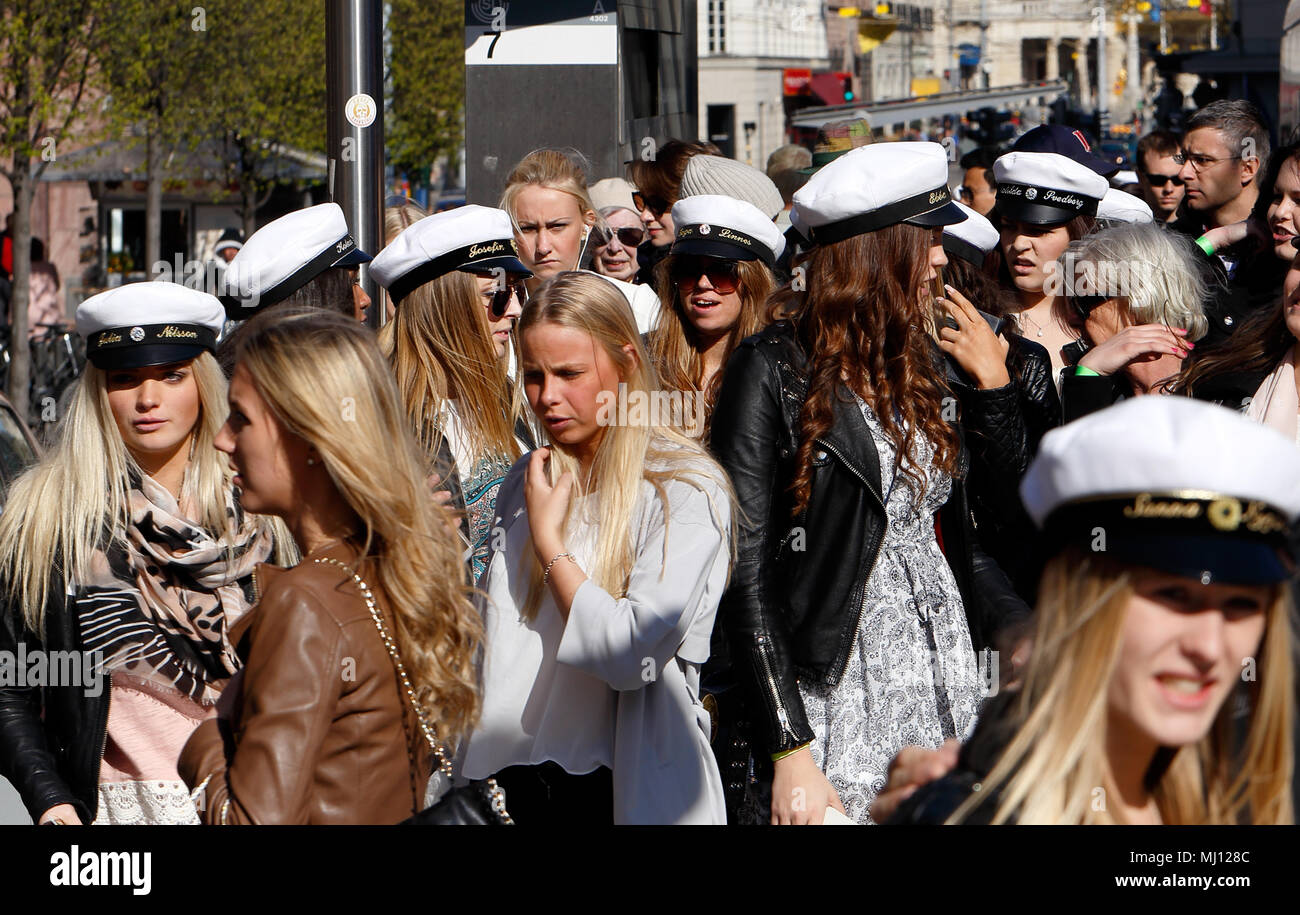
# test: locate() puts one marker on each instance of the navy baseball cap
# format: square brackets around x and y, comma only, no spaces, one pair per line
[1065,141]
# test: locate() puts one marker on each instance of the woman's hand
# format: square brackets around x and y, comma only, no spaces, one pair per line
[1222,237]
[909,770]
[1139,343]
[547,506]
[65,812]
[982,353]
[800,792]
[442,497]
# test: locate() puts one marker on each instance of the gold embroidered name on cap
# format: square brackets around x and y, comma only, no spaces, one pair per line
[1225,514]
[728,234]
[108,337]
[170,331]
[938,196]
[1146,507]
[495,247]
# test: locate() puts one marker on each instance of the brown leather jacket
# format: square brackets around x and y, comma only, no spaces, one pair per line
[316,735]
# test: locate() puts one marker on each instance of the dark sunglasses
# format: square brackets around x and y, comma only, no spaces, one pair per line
[723,274]
[500,303]
[628,236]
[656,205]
[1086,304]
[1162,180]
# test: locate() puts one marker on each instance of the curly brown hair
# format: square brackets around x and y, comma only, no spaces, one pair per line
[863,326]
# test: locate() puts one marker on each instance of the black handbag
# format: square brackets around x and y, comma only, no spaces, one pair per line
[480,803]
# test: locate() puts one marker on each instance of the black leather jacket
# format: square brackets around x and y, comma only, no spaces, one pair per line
[1003,428]
[52,737]
[795,596]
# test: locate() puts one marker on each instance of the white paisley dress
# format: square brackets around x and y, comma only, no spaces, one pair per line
[911,677]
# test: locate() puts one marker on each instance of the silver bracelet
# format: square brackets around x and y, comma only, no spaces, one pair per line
[547,574]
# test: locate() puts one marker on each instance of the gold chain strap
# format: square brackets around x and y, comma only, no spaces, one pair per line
[444,764]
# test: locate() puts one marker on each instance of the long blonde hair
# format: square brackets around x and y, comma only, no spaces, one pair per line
[68,505]
[629,453]
[323,377]
[442,347]
[1050,769]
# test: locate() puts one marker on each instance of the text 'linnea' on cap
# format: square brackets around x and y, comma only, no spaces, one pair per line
[716,226]
[476,239]
[872,187]
[1171,483]
[143,324]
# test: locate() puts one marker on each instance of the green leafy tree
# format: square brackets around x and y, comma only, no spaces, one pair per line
[266,95]
[154,58]
[426,80]
[46,53]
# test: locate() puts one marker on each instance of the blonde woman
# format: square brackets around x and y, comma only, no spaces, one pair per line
[371,638]
[547,199]
[601,593]
[717,278]
[458,283]
[125,550]
[1144,639]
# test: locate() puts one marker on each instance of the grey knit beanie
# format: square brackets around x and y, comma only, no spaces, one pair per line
[717,175]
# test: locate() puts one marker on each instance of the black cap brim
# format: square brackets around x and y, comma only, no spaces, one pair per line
[708,247]
[508,263]
[138,357]
[947,215]
[1036,214]
[353,258]
[1225,559]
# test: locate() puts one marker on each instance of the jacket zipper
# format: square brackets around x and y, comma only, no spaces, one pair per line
[856,596]
[782,718]
[103,742]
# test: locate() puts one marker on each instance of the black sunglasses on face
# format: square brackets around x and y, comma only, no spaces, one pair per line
[656,205]
[1161,180]
[627,236]
[723,274]
[1086,304]
[500,303]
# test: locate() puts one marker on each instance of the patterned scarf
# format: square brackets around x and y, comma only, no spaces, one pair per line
[160,600]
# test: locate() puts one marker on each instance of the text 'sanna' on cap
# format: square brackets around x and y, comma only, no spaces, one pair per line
[1046,189]
[472,238]
[1122,207]
[154,323]
[1064,141]
[972,239]
[716,226]
[1171,483]
[872,187]
[288,253]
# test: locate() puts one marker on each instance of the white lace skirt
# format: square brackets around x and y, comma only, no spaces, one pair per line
[911,678]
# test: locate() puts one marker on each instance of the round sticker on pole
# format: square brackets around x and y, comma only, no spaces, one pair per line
[360,110]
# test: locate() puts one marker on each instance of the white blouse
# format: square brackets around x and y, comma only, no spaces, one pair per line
[618,686]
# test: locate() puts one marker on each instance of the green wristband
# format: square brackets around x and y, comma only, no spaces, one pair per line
[1085,372]
[1204,244]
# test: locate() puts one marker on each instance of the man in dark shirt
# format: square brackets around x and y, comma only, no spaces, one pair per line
[1224,151]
